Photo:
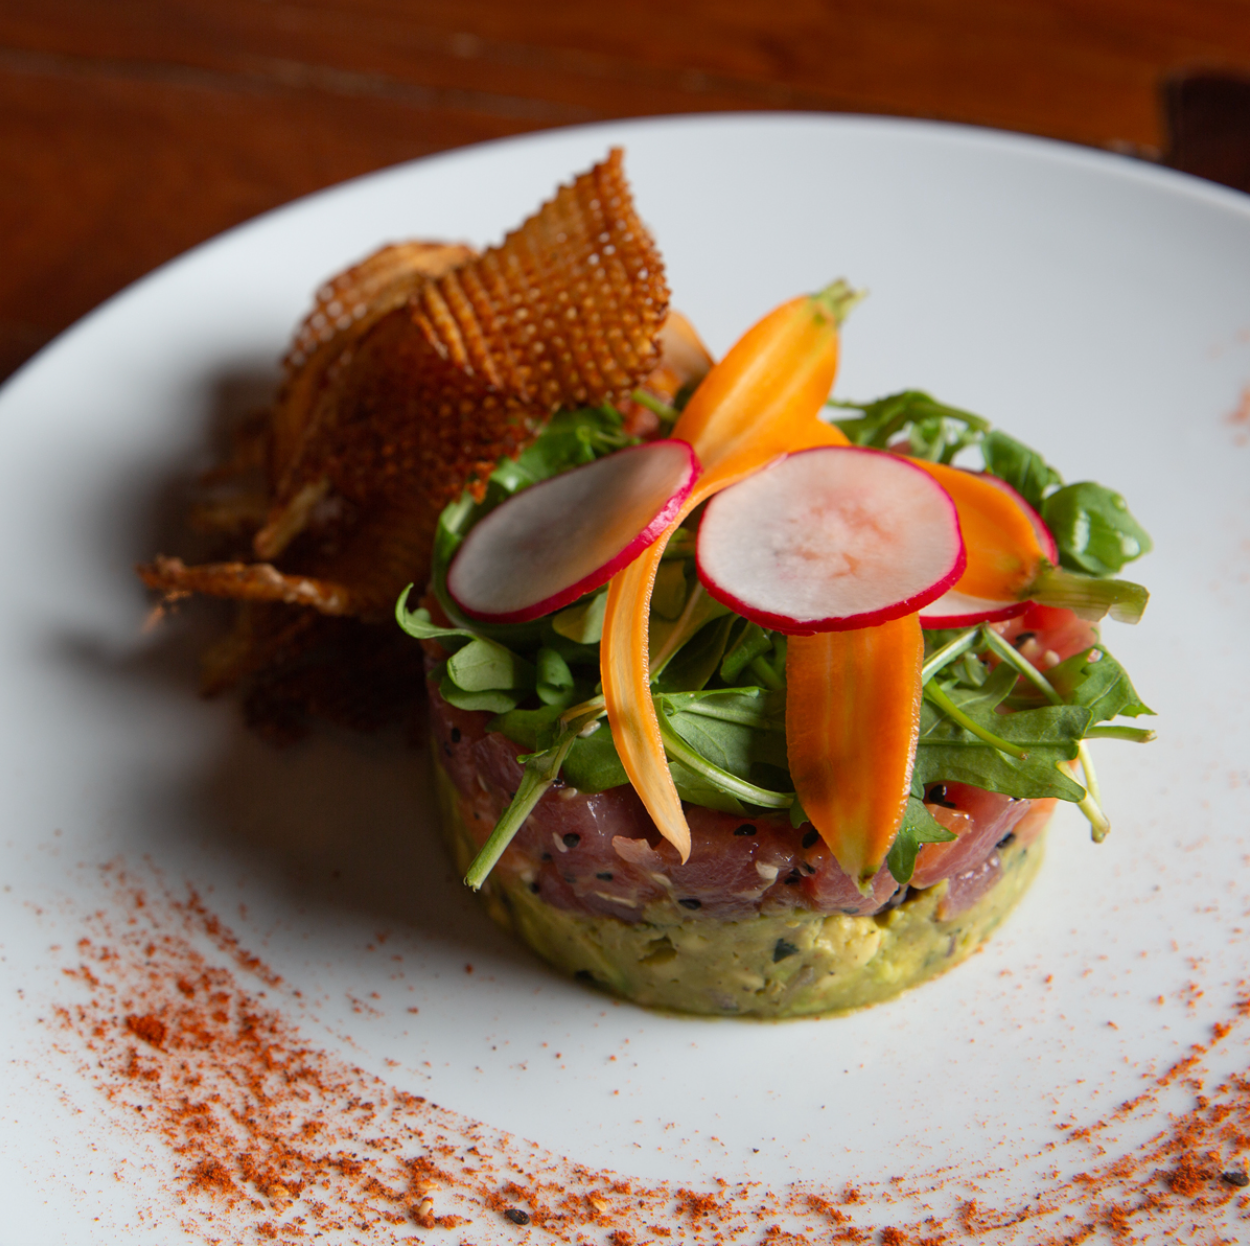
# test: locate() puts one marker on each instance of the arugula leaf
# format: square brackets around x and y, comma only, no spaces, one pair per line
[418,624]
[937,432]
[751,707]
[485,665]
[668,597]
[733,735]
[946,752]
[593,764]
[553,681]
[1023,469]
[718,786]
[698,659]
[918,827]
[751,642]
[533,730]
[582,622]
[1097,681]
[665,637]
[988,695]
[541,770]
[1094,529]
[495,701]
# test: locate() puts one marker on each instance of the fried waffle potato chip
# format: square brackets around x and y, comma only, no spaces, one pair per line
[415,373]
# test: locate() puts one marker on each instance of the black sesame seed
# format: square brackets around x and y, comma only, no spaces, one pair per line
[517,1216]
[1006,840]
[809,867]
[1239,1179]
[691,903]
[607,878]
[782,949]
[935,794]
[455,735]
[809,840]
[793,877]
[572,839]
[745,829]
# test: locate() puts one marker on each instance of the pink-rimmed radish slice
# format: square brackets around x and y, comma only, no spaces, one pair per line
[956,609]
[830,539]
[551,543]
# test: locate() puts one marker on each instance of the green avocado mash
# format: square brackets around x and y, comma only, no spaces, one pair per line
[793,964]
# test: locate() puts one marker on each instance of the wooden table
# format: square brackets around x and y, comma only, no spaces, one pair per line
[133,129]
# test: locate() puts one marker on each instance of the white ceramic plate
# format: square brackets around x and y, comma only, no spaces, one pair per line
[1095,307]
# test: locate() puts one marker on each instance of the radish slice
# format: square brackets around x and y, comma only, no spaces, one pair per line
[955,609]
[563,537]
[830,539]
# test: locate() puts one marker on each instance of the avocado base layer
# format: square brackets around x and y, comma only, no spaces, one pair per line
[791,964]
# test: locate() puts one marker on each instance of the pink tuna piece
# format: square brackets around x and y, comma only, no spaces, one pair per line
[981,820]
[600,853]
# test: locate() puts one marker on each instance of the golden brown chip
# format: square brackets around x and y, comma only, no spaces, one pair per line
[565,312]
[346,307]
[415,373]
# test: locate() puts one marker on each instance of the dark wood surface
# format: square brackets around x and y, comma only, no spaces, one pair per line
[133,129]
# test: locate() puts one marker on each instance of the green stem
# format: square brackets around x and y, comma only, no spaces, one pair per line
[1011,655]
[765,674]
[541,771]
[837,299]
[953,712]
[699,609]
[1091,806]
[948,653]
[1138,735]
[678,750]
[1088,596]
[666,413]
[593,709]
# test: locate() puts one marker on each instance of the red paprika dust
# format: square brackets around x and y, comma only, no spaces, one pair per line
[266,1136]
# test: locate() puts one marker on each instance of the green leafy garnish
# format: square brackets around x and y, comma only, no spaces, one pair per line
[1023,469]
[990,717]
[1093,528]
[918,827]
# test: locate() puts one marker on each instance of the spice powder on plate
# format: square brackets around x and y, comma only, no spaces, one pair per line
[270,1138]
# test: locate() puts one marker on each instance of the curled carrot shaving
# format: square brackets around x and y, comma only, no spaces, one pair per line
[761,401]
[852,720]
[1004,550]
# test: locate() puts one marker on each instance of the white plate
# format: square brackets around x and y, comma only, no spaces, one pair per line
[1095,307]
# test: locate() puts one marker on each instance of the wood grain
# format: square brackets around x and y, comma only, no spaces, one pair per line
[132,129]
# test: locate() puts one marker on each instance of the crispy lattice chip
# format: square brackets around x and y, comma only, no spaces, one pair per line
[565,312]
[416,372]
[346,308]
